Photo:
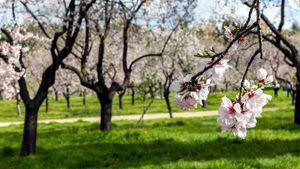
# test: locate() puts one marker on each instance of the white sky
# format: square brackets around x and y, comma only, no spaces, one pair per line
[208,9]
[214,9]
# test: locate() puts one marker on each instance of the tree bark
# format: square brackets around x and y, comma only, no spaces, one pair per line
[166,97]
[132,97]
[19,105]
[297,105]
[30,131]
[47,104]
[68,102]
[84,100]
[106,112]
[275,93]
[161,90]
[56,95]
[204,103]
[121,99]
[67,97]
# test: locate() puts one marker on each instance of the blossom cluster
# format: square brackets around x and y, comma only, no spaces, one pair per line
[238,115]
[190,93]
[10,66]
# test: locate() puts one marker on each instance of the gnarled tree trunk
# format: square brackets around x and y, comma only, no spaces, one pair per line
[106,112]
[30,130]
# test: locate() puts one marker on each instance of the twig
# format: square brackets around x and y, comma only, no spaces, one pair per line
[221,55]
[246,71]
[145,111]
[258,28]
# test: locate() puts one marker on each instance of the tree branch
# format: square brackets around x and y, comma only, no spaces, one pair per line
[24,3]
[221,55]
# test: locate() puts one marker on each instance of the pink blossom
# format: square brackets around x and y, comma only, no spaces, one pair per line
[204,91]
[188,100]
[5,48]
[218,70]
[189,95]
[261,75]
[232,118]
[255,100]
[176,85]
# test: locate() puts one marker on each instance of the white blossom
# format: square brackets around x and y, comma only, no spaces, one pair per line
[263,77]
[218,70]
[238,115]
[190,95]
[176,85]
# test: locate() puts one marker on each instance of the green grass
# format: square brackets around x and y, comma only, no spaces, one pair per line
[58,109]
[178,143]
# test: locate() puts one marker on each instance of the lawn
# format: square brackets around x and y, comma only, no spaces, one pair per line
[58,109]
[169,143]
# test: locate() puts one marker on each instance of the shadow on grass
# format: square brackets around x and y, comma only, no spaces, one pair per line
[157,152]
[82,146]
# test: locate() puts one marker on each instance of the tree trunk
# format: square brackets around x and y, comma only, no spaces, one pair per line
[30,131]
[106,112]
[84,100]
[132,97]
[204,103]
[67,96]
[161,90]
[68,102]
[56,95]
[166,96]
[276,93]
[19,105]
[297,105]
[47,104]
[293,94]
[121,99]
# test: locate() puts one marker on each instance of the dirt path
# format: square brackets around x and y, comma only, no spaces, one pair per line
[127,117]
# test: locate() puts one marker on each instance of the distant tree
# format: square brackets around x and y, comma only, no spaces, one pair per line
[116,14]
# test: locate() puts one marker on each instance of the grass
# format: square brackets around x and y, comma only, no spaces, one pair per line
[58,109]
[177,143]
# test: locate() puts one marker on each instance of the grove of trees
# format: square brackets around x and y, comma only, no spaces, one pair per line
[111,47]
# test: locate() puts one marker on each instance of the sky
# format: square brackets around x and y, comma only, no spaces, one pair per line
[216,9]
[208,9]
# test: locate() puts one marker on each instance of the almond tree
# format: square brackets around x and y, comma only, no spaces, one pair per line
[116,14]
[66,84]
[291,54]
[62,42]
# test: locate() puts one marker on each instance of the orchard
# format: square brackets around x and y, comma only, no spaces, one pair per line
[149,84]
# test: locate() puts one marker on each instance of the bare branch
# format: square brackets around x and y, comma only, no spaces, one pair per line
[246,71]
[36,19]
[81,77]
